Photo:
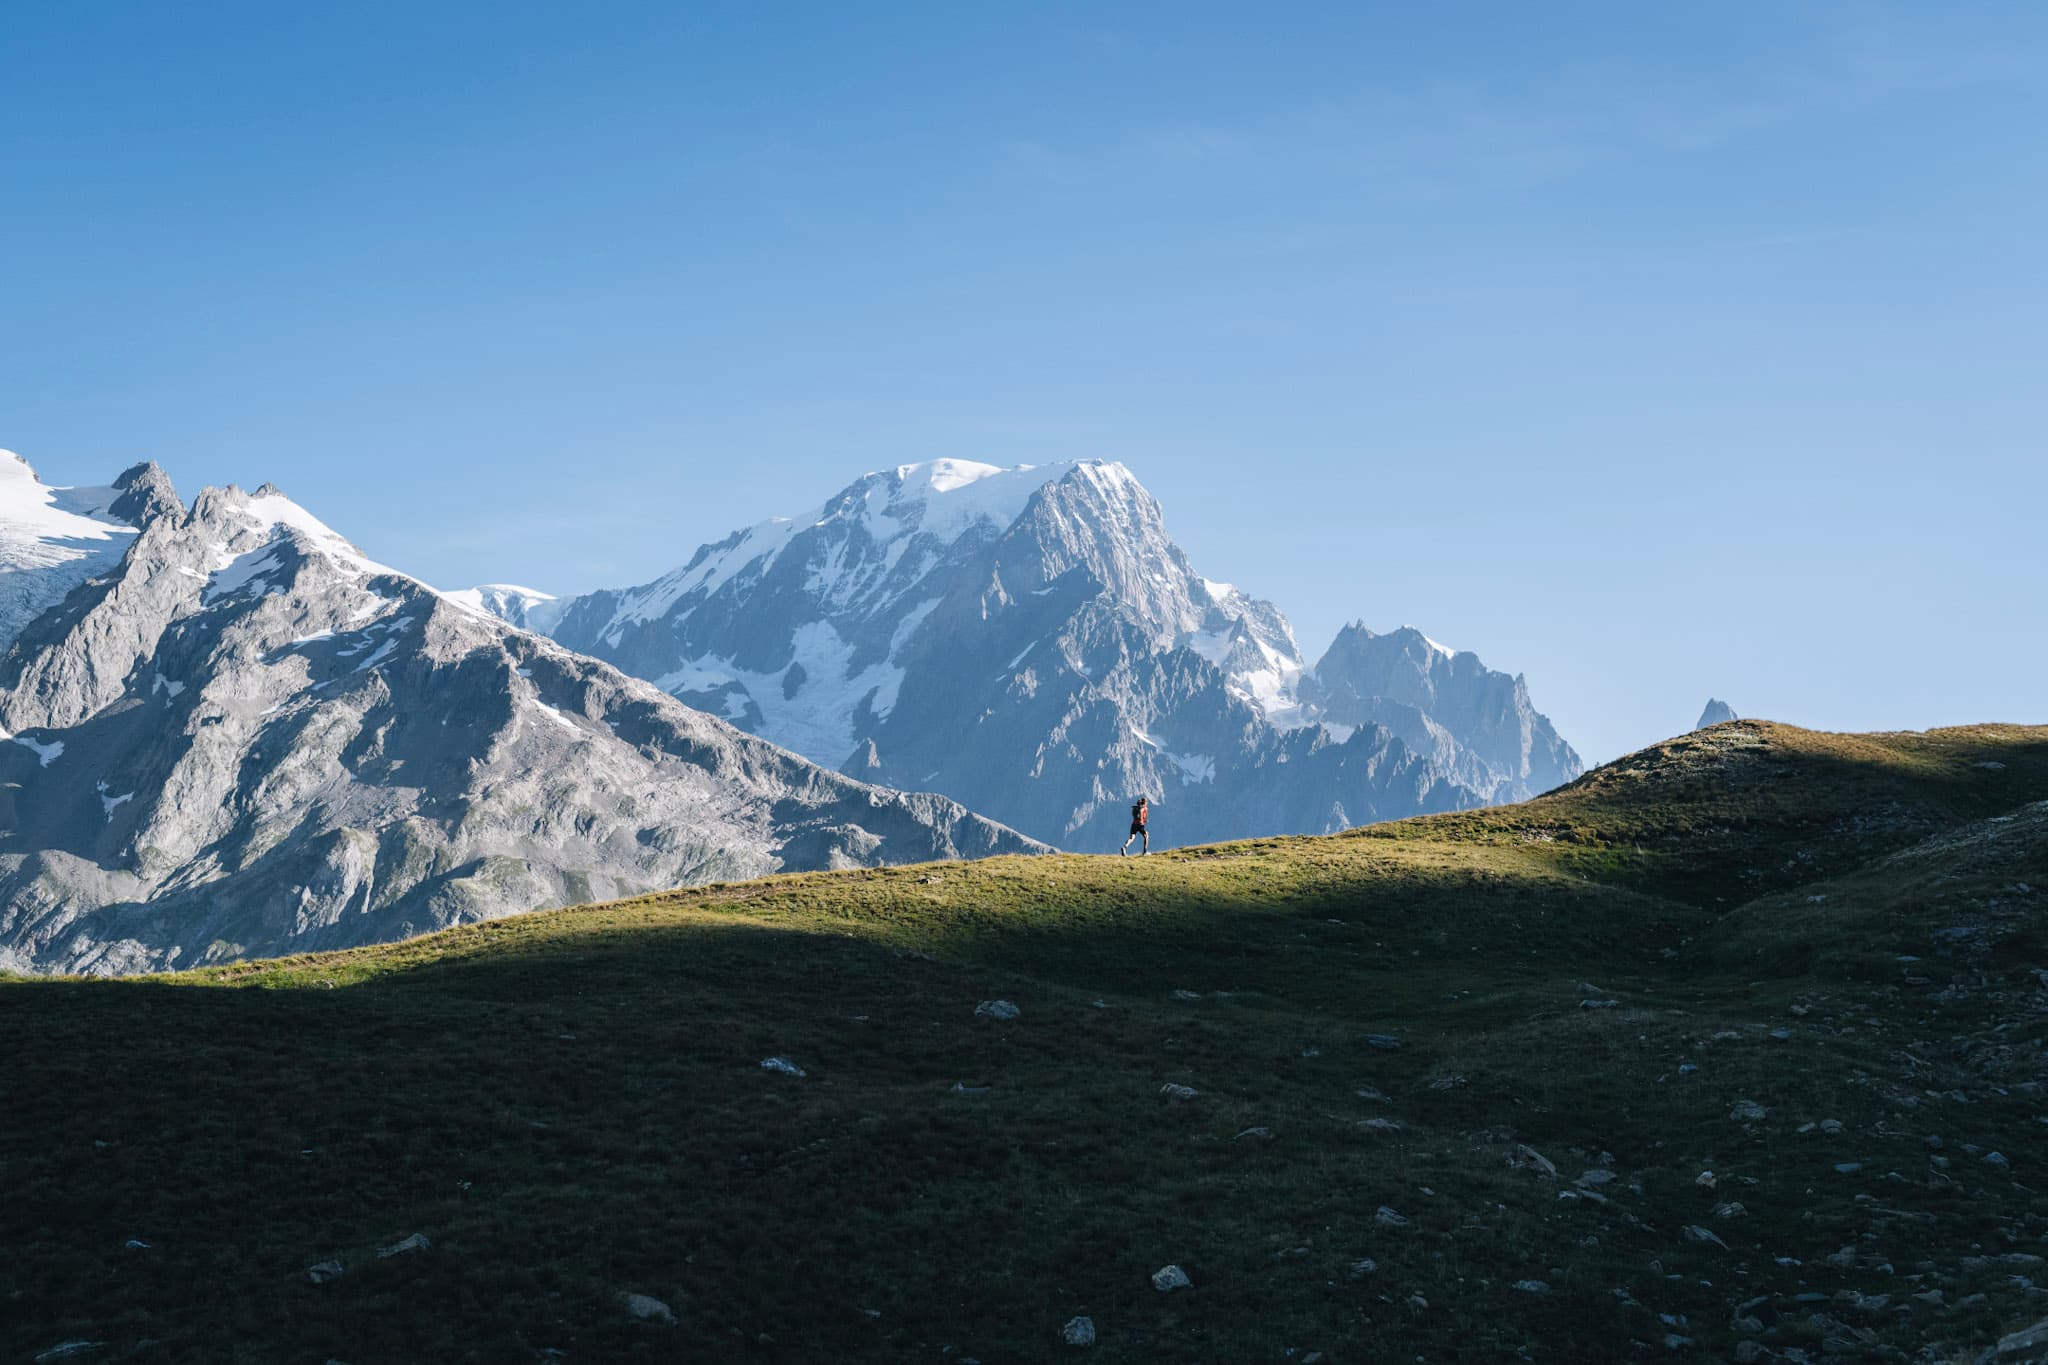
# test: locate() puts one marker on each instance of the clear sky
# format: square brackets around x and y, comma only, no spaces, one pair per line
[1651,350]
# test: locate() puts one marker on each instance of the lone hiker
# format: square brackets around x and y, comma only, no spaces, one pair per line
[1138,814]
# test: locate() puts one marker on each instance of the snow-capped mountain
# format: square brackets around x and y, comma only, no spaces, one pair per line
[225,732]
[1031,642]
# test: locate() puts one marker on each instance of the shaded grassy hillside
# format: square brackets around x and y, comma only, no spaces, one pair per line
[1768,1000]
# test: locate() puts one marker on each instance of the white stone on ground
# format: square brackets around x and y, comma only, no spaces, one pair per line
[647,1308]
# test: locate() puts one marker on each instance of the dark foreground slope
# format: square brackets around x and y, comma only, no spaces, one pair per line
[1823,960]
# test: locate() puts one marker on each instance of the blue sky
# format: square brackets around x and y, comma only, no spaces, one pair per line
[1653,351]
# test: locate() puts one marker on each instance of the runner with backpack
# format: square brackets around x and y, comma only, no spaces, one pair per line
[1138,814]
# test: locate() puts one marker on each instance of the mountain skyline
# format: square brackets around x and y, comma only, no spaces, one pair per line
[1032,642]
[242,737]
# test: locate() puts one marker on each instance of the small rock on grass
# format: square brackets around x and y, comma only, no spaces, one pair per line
[647,1308]
[1527,1158]
[1748,1111]
[1169,1278]
[1532,1286]
[1361,1268]
[1386,1042]
[1388,1217]
[1001,1010]
[64,1350]
[1179,1092]
[2028,1345]
[1695,1233]
[1078,1332]
[325,1271]
[417,1242]
[1379,1125]
[782,1065]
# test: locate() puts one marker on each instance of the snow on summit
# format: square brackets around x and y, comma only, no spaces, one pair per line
[955,494]
[51,540]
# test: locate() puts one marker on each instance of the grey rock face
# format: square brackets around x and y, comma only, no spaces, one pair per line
[1473,723]
[1715,712]
[242,737]
[1033,644]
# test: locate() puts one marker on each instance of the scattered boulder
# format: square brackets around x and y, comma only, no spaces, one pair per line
[2026,1347]
[1731,1209]
[1179,1092]
[1589,1179]
[1168,1278]
[1695,1233]
[1386,1042]
[325,1271]
[1253,1133]
[64,1350]
[1448,1083]
[1532,1286]
[1748,1111]
[1527,1158]
[1187,995]
[647,1308]
[1598,1004]
[1078,1332]
[417,1242]
[1000,1010]
[1379,1125]
[1361,1268]
[781,1065]
[1389,1218]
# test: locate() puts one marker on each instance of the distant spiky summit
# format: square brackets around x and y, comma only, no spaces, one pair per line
[1716,711]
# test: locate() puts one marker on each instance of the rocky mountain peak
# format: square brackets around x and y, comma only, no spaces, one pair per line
[146,494]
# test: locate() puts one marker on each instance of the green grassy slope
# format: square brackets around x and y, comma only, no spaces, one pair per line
[571,1105]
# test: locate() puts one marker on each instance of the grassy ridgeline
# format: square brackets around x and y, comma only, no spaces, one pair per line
[571,1105]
